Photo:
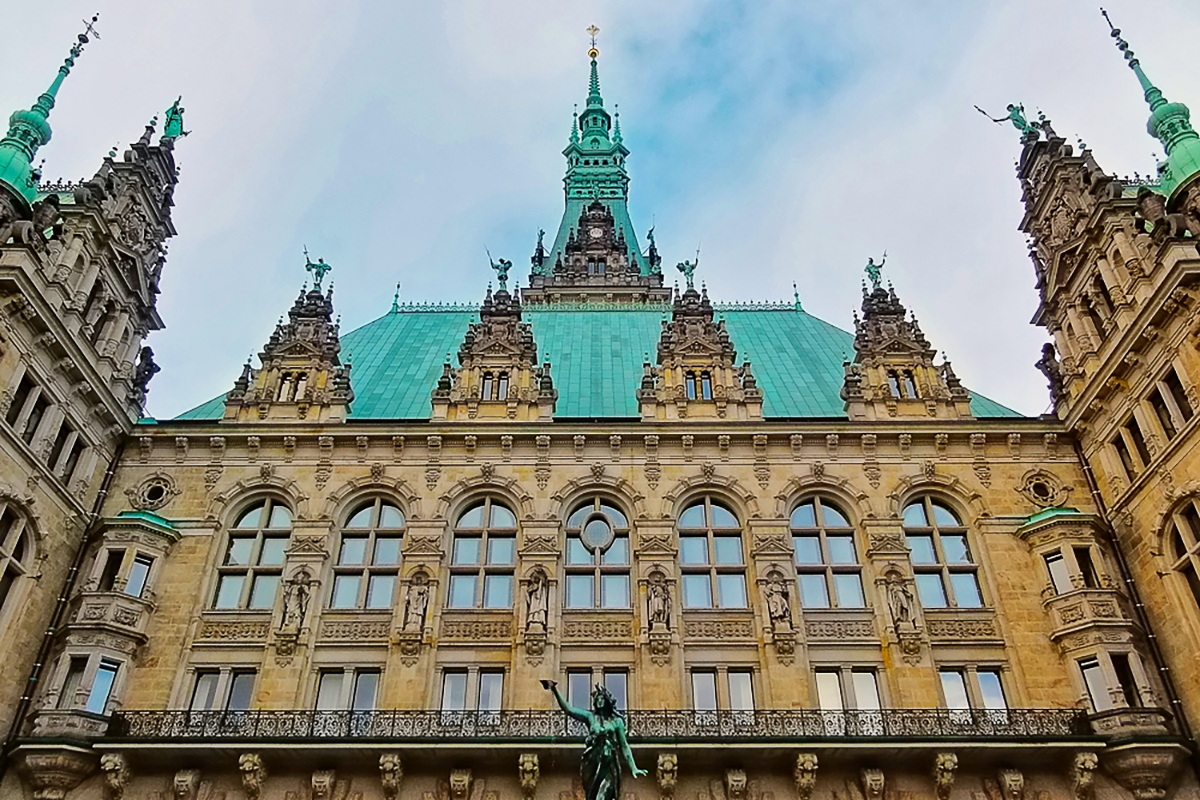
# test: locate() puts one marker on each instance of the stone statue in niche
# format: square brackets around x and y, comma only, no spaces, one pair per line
[658,602]
[296,593]
[536,601]
[416,601]
[778,607]
[900,602]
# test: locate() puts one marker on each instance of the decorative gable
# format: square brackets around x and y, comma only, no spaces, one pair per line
[696,376]
[893,374]
[302,377]
[498,377]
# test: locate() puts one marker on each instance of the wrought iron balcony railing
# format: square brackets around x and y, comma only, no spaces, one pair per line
[643,726]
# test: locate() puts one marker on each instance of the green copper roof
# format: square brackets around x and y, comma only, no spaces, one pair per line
[29,130]
[1051,513]
[596,359]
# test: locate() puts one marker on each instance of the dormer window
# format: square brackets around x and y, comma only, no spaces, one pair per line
[902,384]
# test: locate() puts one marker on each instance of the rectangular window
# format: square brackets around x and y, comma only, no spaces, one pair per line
[19,397]
[866,690]
[75,670]
[1060,576]
[102,686]
[329,691]
[1163,413]
[366,684]
[1174,387]
[60,442]
[741,690]
[491,692]
[40,406]
[136,585]
[1123,454]
[112,568]
[954,688]
[73,457]
[454,691]
[204,694]
[1139,441]
[1124,673]
[579,688]
[617,684]
[1097,688]
[1087,568]
[697,591]
[704,691]
[991,690]
[241,690]
[829,690]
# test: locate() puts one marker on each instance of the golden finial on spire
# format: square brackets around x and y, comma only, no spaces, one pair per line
[593,51]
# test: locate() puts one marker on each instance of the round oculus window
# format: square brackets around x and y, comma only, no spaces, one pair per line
[597,534]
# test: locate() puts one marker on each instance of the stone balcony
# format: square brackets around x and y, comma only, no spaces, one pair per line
[115,612]
[1128,723]
[69,723]
[1083,608]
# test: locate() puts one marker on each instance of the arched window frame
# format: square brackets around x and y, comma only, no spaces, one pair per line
[489,566]
[828,568]
[941,552]
[605,566]
[716,579]
[366,569]
[251,567]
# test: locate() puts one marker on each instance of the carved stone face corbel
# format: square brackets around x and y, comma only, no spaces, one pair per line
[806,775]
[1083,775]
[667,773]
[254,774]
[460,784]
[115,770]
[735,784]
[390,773]
[872,781]
[528,771]
[322,784]
[1012,784]
[944,767]
[186,784]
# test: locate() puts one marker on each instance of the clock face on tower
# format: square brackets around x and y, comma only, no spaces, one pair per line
[595,233]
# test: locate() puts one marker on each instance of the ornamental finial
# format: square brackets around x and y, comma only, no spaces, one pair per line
[593,51]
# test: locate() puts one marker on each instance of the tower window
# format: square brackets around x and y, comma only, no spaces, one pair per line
[501,386]
[706,392]
[489,385]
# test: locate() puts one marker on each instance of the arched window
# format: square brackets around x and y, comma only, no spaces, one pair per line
[483,557]
[16,552]
[250,572]
[597,556]
[368,560]
[710,555]
[827,564]
[946,573]
[1183,545]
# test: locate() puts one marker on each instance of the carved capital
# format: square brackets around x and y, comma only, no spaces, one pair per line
[944,767]
[115,770]
[667,773]
[1083,775]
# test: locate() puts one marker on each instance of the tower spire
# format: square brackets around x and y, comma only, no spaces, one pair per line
[1169,123]
[29,130]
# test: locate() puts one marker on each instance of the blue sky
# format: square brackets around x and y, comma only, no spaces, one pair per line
[791,140]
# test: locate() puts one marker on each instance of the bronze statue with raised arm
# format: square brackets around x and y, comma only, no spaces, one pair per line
[604,746]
